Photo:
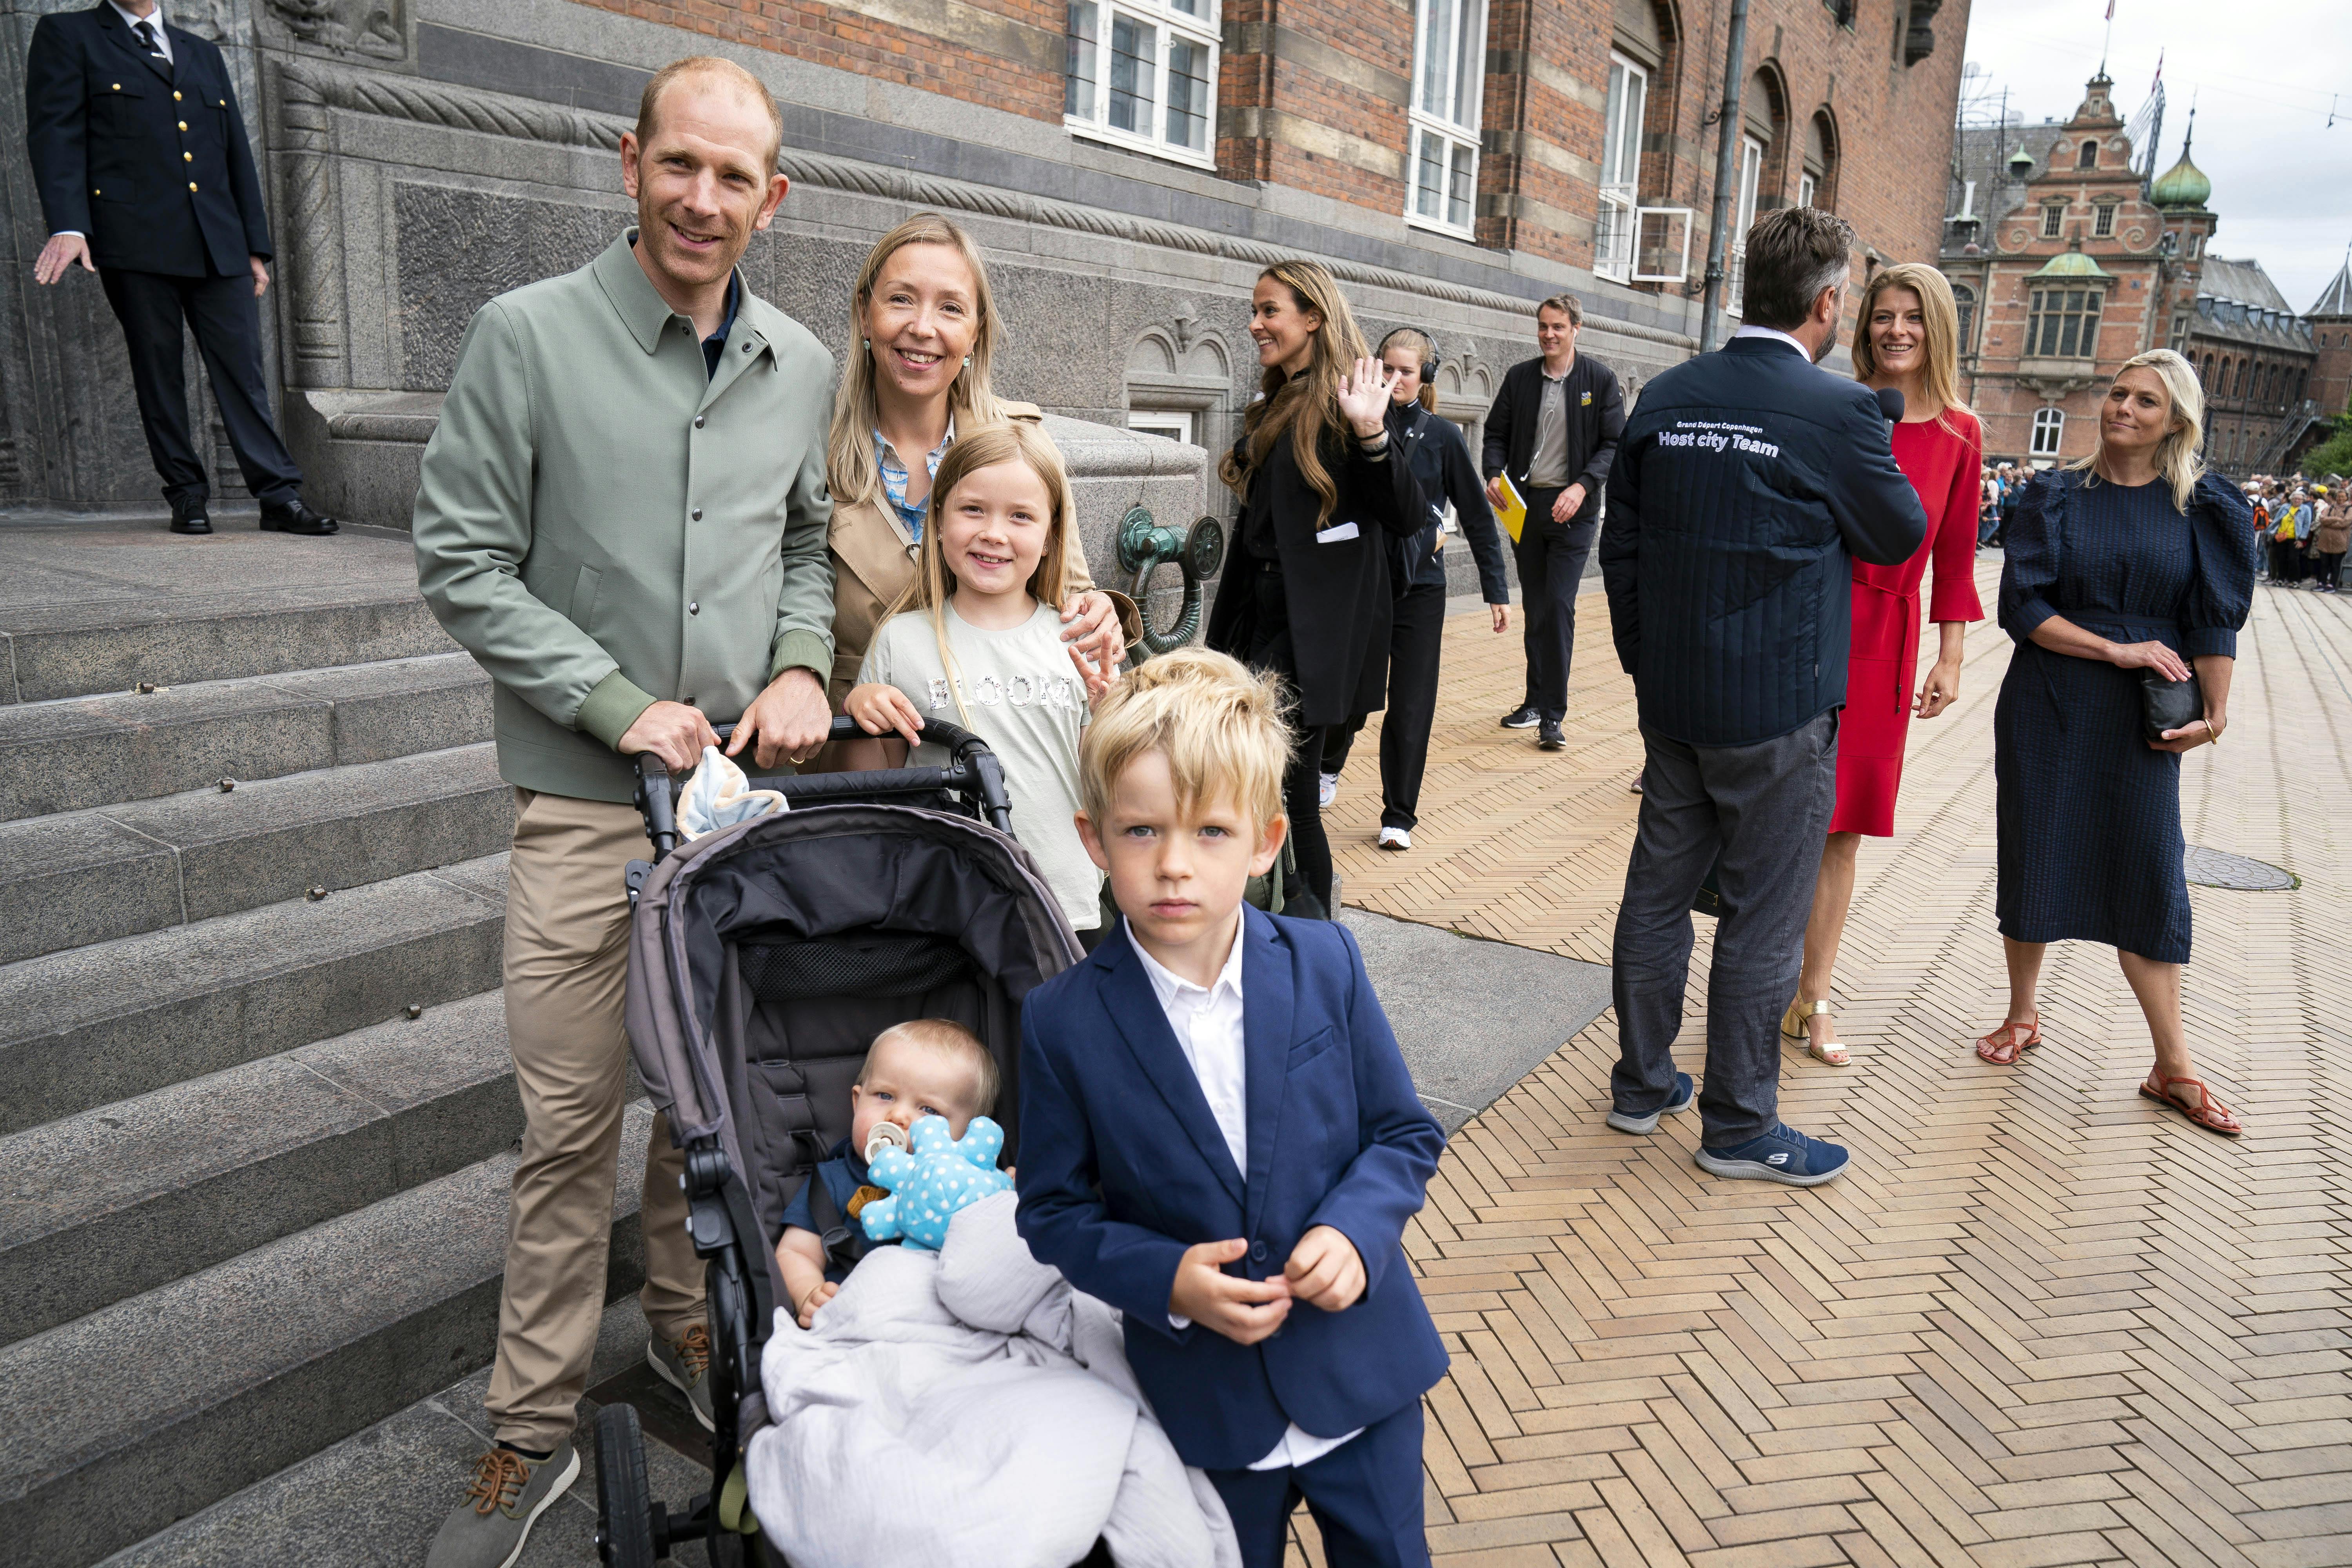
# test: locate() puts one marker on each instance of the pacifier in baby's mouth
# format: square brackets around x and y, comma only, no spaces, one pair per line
[885,1135]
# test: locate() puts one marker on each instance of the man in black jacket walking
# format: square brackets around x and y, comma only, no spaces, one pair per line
[1552,429]
[146,179]
[1747,481]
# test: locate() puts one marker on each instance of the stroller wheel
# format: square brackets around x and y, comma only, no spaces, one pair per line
[625,1530]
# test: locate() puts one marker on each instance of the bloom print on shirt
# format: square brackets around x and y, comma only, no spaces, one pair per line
[1056,693]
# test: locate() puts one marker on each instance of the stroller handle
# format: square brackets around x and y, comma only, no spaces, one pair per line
[973,771]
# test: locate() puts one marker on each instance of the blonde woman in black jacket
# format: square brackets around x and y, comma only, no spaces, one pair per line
[1306,595]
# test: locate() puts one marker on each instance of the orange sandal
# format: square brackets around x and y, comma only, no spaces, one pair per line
[2003,1047]
[2208,1112]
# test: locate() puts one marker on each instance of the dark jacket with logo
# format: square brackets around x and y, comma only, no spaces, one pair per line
[1596,420]
[1440,460]
[1748,481]
[147,158]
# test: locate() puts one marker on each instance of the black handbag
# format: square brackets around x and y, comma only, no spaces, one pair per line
[2168,704]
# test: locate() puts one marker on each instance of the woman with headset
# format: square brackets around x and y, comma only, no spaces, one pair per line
[1441,461]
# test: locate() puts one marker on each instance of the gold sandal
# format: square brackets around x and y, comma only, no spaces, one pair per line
[1793,1026]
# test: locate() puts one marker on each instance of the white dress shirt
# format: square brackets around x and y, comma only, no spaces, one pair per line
[1776,332]
[1207,1023]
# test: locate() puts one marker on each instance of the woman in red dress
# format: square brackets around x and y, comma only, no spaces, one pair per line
[1906,336]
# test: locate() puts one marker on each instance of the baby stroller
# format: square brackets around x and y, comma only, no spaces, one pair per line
[763,960]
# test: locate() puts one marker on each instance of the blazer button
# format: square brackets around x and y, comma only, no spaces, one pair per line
[118,87]
[191,184]
[698,421]
[175,97]
[1257,1252]
[693,608]
[184,125]
[187,157]
[697,514]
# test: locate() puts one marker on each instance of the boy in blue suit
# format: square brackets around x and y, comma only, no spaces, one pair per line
[1219,1137]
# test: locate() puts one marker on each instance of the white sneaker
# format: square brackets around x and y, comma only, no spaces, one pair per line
[1331,791]
[1395,838]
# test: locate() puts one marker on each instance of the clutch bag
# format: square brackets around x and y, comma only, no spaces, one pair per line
[2168,704]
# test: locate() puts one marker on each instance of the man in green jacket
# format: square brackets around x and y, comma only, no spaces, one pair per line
[623,518]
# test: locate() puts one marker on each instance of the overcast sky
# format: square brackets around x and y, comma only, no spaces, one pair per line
[2262,72]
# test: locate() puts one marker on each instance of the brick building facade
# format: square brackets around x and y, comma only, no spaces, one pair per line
[1129,164]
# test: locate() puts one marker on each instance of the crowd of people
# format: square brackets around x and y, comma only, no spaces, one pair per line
[639,518]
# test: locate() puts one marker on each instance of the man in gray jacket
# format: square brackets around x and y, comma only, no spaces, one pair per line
[623,518]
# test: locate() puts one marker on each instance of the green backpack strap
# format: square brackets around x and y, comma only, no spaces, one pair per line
[733,1498]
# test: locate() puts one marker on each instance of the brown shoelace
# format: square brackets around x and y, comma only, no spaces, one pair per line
[693,1350]
[499,1477]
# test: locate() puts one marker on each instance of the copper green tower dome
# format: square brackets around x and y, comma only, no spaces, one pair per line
[2184,184]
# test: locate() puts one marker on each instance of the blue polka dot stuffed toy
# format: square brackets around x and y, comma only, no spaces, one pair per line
[943,1175]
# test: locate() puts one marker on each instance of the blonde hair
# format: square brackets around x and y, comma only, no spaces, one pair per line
[851,473]
[1013,441]
[1939,375]
[1308,404]
[1220,724]
[948,1037]
[725,71]
[2178,459]
[1416,343]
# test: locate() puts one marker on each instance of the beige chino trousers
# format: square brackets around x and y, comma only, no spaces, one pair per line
[566,973]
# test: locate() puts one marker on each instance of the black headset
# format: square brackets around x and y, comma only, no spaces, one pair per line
[1429,369]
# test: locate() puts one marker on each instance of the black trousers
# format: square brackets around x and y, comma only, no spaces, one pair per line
[1551,557]
[1416,637]
[153,308]
[1270,651]
[2328,569]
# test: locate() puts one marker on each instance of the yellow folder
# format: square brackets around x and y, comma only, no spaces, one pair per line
[1513,513]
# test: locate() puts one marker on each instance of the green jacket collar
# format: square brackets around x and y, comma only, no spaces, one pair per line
[647,315]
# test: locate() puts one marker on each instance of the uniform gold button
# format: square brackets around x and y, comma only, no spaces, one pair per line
[97,192]
[184,125]
[187,157]
[191,184]
[118,87]
[175,98]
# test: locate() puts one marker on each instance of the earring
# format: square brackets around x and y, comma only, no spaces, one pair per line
[867,343]
[967,360]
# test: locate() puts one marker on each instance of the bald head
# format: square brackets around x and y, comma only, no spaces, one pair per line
[708,74]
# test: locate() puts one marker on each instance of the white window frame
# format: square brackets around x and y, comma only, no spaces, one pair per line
[1167,22]
[1643,218]
[2102,220]
[1743,218]
[1617,235]
[1806,186]
[1173,424]
[1464,86]
[2049,432]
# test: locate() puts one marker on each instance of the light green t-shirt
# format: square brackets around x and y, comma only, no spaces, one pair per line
[1023,697]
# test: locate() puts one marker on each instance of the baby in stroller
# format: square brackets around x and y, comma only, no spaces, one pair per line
[930,1067]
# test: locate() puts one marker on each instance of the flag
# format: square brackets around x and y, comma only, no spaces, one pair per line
[2111,10]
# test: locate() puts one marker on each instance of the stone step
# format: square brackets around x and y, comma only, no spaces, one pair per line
[376,1498]
[128,1420]
[89,751]
[91,876]
[85,1028]
[99,1206]
[73,649]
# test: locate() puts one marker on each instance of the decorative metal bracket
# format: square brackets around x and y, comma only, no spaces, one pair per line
[1144,545]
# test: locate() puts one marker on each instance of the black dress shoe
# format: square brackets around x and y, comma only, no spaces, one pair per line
[189,518]
[1550,738]
[1523,717]
[297,518]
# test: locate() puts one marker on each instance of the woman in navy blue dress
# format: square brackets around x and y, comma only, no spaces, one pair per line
[2131,560]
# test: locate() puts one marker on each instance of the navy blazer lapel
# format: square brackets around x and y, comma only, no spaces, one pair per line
[116,28]
[1269,1003]
[1135,1008]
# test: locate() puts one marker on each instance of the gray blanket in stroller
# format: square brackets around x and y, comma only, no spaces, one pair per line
[967,1409]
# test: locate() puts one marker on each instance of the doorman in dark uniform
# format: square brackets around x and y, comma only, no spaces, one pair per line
[146,178]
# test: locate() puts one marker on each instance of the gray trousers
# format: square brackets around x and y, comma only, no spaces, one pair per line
[1759,814]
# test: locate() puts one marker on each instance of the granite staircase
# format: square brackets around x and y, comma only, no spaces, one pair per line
[256,1117]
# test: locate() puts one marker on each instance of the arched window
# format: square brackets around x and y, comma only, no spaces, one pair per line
[2205,370]
[1965,297]
[2090,159]
[2048,429]
[2238,386]
[1817,185]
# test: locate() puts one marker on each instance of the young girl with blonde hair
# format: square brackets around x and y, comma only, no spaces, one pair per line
[976,640]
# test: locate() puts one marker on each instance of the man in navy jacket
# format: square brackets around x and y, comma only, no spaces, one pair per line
[145,177]
[1746,482]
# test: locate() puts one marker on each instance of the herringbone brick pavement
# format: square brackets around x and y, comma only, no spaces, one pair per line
[2040,1322]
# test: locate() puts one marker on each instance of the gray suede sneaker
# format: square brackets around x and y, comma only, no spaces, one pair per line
[684,1365]
[509,1494]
